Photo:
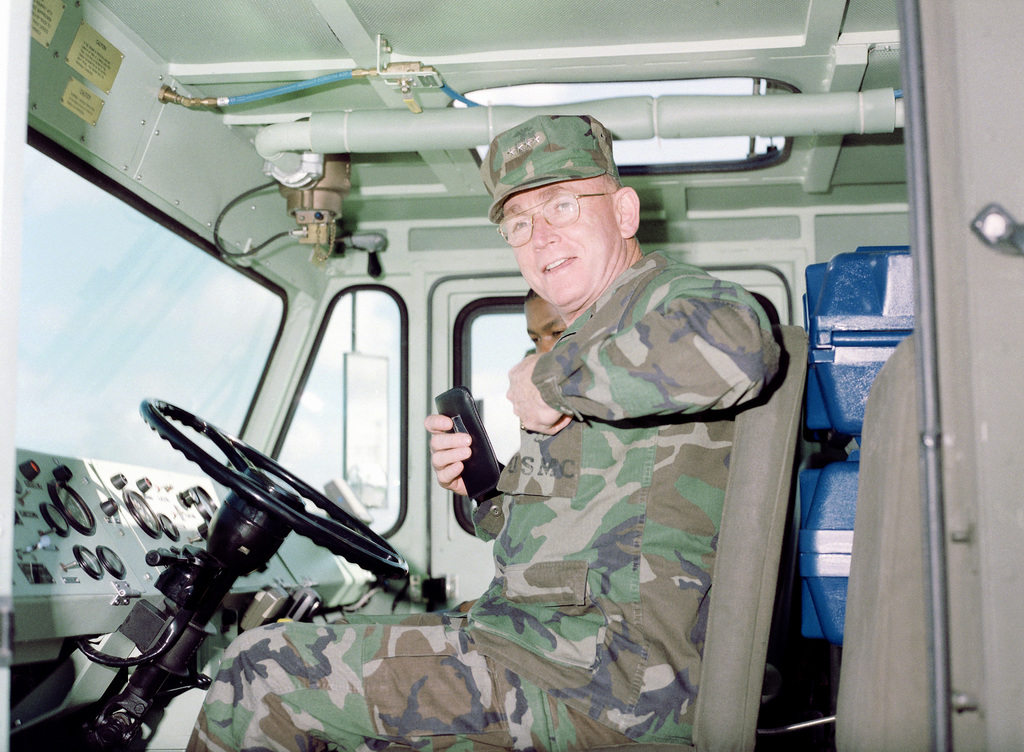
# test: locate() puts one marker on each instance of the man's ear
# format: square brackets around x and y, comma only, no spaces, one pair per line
[627,211]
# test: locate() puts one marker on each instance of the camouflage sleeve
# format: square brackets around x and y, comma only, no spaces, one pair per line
[675,346]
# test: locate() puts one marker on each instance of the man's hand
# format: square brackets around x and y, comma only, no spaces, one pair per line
[447,452]
[534,413]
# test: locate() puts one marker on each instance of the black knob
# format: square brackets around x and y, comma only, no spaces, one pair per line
[161,556]
[119,481]
[62,473]
[30,469]
[144,484]
[373,267]
[108,507]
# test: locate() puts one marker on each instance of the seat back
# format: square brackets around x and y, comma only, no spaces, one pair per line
[754,518]
[884,685]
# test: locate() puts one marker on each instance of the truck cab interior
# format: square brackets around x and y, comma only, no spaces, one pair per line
[244,246]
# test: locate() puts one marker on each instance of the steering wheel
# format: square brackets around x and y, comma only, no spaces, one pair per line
[247,475]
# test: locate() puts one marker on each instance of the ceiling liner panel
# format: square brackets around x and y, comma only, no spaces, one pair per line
[445,27]
[227,31]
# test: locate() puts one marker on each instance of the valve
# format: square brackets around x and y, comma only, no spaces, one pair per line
[317,208]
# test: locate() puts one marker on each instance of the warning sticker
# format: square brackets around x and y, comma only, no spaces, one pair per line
[80,100]
[46,14]
[94,57]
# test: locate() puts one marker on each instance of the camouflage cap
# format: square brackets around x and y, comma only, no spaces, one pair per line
[545,149]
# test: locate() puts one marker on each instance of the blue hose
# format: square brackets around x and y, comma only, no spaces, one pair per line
[456,96]
[285,89]
[318,81]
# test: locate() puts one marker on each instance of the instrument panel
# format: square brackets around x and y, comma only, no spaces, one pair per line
[83,527]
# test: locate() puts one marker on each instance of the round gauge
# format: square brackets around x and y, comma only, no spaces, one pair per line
[72,506]
[88,561]
[111,561]
[139,508]
[55,519]
[169,528]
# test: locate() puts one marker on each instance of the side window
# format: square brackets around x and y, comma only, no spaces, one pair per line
[345,431]
[491,338]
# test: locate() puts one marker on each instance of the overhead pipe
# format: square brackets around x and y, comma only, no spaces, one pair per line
[362,131]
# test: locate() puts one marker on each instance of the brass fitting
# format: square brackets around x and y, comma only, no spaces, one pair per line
[167,95]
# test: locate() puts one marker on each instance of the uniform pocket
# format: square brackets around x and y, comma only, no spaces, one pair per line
[421,682]
[545,607]
[555,583]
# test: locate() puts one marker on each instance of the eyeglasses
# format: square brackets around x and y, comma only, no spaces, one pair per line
[561,210]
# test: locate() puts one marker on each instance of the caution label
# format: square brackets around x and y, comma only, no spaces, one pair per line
[80,100]
[95,58]
[46,14]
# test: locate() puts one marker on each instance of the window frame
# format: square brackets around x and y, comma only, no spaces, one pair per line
[462,356]
[403,407]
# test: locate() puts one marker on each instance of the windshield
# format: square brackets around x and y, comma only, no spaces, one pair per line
[116,308]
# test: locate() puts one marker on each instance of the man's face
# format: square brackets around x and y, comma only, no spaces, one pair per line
[543,323]
[571,266]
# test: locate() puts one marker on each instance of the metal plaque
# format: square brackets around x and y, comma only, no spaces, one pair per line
[80,100]
[94,57]
[46,15]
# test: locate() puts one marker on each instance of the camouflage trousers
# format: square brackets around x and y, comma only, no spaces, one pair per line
[404,682]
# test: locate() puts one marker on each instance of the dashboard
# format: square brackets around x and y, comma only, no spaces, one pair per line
[83,529]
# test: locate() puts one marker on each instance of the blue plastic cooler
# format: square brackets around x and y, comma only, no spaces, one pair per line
[858,307]
[829,501]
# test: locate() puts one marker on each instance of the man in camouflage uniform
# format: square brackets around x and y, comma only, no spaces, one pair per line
[544,325]
[605,527]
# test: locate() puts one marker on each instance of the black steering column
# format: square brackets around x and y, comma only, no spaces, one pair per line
[265,503]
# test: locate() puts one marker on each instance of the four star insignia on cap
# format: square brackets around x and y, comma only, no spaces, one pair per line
[526,144]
